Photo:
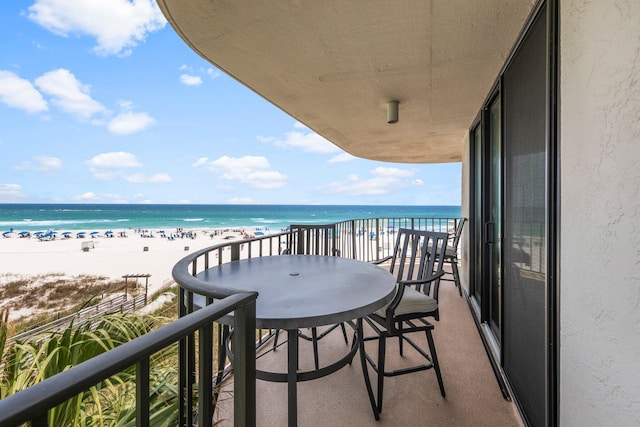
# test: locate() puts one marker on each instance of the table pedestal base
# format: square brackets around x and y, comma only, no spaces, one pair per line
[292,376]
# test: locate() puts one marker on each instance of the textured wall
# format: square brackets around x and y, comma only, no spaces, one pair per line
[600,220]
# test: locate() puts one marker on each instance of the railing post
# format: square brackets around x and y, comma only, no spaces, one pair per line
[244,365]
[235,251]
[186,363]
[182,363]
[142,393]
[205,376]
[354,243]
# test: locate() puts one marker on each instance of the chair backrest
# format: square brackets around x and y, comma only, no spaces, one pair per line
[458,233]
[313,240]
[417,255]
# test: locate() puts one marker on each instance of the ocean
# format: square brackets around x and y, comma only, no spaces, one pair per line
[88,217]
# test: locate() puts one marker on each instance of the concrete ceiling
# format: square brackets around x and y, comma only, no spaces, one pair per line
[335,64]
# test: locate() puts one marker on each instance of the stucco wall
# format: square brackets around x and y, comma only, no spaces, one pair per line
[600,219]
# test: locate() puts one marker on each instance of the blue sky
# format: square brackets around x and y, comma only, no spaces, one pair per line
[101,102]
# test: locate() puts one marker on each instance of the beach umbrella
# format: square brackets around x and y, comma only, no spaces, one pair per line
[80,234]
[259,233]
[38,233]
[6,233]
[93,233]
[66,233]
[50,235]
[23,233]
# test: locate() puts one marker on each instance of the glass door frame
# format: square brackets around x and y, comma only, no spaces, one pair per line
[477,260]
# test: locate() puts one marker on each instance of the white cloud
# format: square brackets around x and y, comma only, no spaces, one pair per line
[138,178]
[41,164]
[91,197]
[19,93]
[86,197]
[117,25]
[213,73]
[11,192]
[190,80]
[254,171]
[69,94]
[129,122]
[241,201]
[308,141]
[304,139]
[48,163]
[340,158]
[113,198]
[384,181]
[118,159]
[107,166]
[265,179]
[237,167]
[265,138]
[393,172]
[200,162]
[193,77]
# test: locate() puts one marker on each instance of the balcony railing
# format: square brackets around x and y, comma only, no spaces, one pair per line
[364,239]
[34,403]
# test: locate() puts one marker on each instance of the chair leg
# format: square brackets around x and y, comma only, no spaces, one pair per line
[434,361]
[314,340]
[400,339]
[364,362]
[275,340]
[456,275]
[381,353]
[344,333]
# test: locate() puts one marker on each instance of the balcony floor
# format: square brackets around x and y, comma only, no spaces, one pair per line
[473,396]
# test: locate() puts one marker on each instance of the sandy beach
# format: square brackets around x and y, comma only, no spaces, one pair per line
[111,257]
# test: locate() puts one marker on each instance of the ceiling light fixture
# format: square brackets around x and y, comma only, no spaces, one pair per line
[392,112]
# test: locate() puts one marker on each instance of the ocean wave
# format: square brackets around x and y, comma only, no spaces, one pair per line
[78,210]
[267,221]
[58,222]
[193,219]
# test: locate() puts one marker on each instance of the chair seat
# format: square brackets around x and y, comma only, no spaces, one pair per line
[451,252]
[412,302]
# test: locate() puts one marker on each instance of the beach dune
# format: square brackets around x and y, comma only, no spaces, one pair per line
[111,257]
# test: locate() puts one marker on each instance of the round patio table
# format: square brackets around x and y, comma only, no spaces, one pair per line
[300,291]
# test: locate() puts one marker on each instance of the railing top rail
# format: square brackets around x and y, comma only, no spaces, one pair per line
[184,278]
[183,275]
[37,399]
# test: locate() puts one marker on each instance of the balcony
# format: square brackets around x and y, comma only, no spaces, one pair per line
[473,397]
[473,394]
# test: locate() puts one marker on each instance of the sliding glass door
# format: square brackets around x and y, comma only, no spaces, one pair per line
[525,222]
[493,221]
[511,166]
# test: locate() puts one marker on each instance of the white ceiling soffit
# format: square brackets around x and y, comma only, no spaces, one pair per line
[335,64]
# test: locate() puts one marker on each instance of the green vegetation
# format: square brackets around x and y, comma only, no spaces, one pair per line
[23,364]
[113,401]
